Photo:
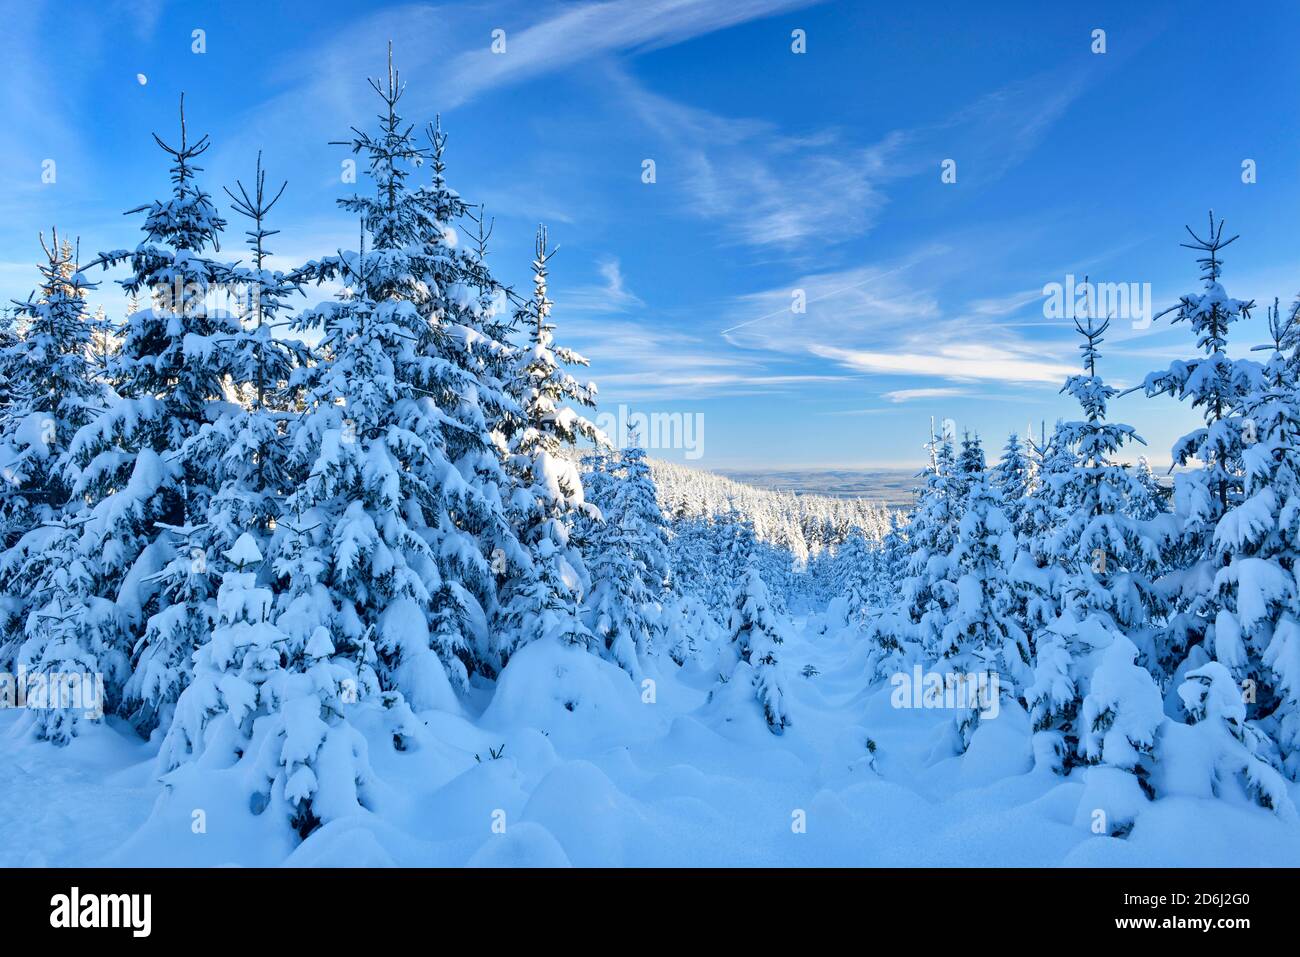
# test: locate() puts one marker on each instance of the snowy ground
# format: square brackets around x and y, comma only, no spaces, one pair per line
[592,775]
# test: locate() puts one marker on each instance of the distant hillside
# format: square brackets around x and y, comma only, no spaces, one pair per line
[804,523]
[892,487]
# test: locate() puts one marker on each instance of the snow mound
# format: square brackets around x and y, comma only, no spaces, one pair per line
[569,694]
[590,817]
[526,844]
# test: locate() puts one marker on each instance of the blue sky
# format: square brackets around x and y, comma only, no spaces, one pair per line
[775,172]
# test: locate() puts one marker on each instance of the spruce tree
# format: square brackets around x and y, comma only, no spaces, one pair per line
[982,632]
[543,596]
[855,577]
[1109,557]
[1037,571]
[929,591]
[69,632]
[1228,749]
[274,703]
[175,356]
[1011,478]
[755,635]
[628,557]
[1101,558]
[1257,628]
[53,394]
[1215,384]
[1120,722]
[148,501]
[388,458]
[1148,498]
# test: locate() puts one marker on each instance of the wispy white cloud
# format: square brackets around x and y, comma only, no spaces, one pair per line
[774,189]
[676,384]
[903,320]
[633,359]
[579,32]
[847,285]
[449,47]
[611,296]
[966,361]
[1000,306]
[768,188]
[443,52]
[998,130]
[840,306]
[911,395]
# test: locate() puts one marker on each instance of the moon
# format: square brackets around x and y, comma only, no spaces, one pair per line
[141,79]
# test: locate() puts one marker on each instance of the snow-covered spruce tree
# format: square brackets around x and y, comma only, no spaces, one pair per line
[685,626]
[981,631]
[1051,464]
[1104,559]
[1012,479]
[471,332]
[174,357]
[1120,722]
[1036,573]
[1109,555]
[474,327]
[690,552]
[891,563]
[549,397]
[1216,385]
[819,573]
[244,453]
[1257,628]
[755,633]
[105,340]
[8,338]
[1148,497]
[971,464]
[929,591]
[738,547]
[182,623]
[855,576]
[697,612]
[53,394]
[933,518]
[889,625]
[403,519]
[639,498]
[72,640]
[1222,745]
[732,549]
[776,563]
[628,560]
[274,703]
[243,449]
[221,701]
[495,322]
[246,445]
[718,579]
[148,505]
[543,597]
[982,634]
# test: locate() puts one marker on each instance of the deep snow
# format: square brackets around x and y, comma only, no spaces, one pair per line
[592,772]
